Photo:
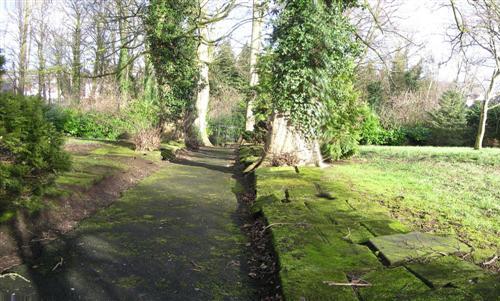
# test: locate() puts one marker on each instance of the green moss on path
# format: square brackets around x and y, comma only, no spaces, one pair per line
[175,236]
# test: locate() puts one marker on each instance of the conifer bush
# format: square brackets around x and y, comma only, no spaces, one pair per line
[31,152]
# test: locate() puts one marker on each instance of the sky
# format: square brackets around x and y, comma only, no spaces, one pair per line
[423,18]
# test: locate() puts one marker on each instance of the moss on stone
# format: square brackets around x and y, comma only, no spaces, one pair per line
[391,284]
[400,248]
[447,271]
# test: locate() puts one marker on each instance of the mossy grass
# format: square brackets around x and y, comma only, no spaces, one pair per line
[380,193]
[446,190]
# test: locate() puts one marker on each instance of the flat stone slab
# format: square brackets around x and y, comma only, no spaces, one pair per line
[391,284]
[400,248]
[446,271]
[385,227]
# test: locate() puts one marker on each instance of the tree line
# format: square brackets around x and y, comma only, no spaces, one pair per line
[163,61]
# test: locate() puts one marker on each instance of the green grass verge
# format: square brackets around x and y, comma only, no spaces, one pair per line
[320,219]
[441,190]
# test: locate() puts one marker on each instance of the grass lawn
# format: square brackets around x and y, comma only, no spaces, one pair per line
[432,189]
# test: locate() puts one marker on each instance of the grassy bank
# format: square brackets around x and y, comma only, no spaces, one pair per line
[327,225]
[433,189]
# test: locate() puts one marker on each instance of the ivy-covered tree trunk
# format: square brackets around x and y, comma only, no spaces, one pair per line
[203,95]
[150,87]
[98,55]
[42,82]
[255,45]
[123,72]
[311,74]
[76,66]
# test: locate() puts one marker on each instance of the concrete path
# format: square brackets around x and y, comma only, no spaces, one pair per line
[175,236]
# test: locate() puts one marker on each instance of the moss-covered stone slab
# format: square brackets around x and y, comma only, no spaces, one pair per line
[400,248]
[298,287]
[354,233]
[447,294]
[488,288]
[385,227]
[446,271]
[391,284]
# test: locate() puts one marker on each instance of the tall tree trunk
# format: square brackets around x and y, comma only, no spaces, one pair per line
[255,45]
[484,110]
[123,72]
[284,140]
[98,56]
[203,95]
[150,89]
[24,15]
[482,125]
[42,83]
[76,79]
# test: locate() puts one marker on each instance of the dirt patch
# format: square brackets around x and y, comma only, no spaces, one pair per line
[21,239]
[81,149]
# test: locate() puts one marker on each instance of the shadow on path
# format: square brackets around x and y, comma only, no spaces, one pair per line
[175,236]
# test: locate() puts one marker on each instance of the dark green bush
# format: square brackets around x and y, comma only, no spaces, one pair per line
[449,123]
[343,146]
[372,131]
[417,135]
[30,152]
[394,137]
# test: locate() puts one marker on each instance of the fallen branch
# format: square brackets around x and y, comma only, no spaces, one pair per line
[358,283]
[60,263]
[13,276]
[491,261]
[281,224]
[196,266]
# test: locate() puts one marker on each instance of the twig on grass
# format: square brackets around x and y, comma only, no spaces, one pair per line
[491,261]
[197,267]
[357,283]
[13,276]
[281,224]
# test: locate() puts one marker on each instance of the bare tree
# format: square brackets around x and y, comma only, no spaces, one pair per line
[477,38]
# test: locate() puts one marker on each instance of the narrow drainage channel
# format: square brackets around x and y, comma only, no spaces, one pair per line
[262,258]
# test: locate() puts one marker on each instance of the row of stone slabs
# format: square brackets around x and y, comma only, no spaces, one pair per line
[428,262]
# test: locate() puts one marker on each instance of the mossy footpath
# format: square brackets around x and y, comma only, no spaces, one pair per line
[175,236]
[335,244]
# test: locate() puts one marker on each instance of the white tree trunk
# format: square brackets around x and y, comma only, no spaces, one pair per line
[255,46]
[484,110]
[284,139]
[203,96]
